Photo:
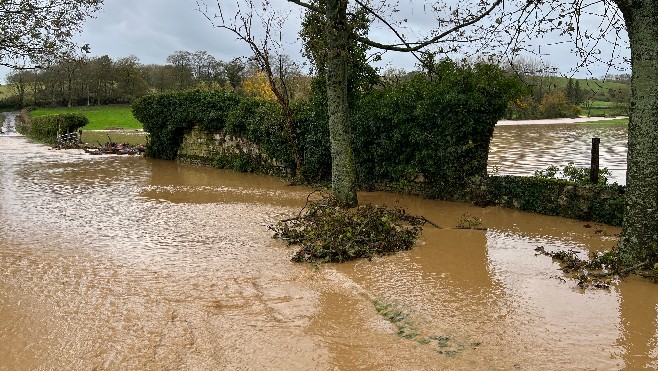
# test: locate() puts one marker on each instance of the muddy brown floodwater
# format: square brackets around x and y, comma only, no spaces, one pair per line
[523,149]
[126,263]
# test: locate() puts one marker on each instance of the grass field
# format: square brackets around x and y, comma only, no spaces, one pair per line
[611,121]
[591,84]
[602,108]
[100,117]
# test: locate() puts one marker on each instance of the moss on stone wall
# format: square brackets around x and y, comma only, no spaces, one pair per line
[225,151]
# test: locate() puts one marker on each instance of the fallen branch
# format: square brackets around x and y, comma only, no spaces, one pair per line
[622,272]
[327,232]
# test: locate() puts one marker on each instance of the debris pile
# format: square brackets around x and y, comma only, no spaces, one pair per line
[72,141]
[111,148]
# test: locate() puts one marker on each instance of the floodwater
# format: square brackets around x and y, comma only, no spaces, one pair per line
[523,149]
[127,263]
[8,123]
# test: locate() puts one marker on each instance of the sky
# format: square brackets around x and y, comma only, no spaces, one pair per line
[154,29]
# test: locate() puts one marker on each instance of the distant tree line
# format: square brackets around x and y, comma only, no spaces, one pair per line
[85,81]
[102,80]
[551,95]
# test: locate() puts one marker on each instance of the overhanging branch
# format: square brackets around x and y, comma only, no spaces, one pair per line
[306,5]
[421,44]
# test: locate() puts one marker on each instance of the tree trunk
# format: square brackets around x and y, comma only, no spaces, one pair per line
[343,169]
[640,227]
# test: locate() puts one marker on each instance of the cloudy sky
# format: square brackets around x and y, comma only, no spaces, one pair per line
[154,29]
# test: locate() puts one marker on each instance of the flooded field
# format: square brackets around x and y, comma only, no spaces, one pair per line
[126,263]
[522,149]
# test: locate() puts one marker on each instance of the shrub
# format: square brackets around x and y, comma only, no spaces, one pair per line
[440,129]
[167,117]
[555,105]
[46,128]
[572,173]
[261,122]
[599,203]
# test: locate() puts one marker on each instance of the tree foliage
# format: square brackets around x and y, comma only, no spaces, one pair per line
[39,31]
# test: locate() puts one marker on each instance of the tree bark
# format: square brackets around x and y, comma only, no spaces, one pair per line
[343,168]
[640,227]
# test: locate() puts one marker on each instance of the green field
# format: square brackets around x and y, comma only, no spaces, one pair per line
[611,121]
[100,117]
[603,109]
[590,85]
[6,90]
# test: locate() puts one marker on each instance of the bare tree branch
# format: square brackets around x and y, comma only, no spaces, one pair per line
[306,5]
[421,44]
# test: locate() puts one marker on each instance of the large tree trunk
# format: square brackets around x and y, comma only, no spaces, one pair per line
[640,227]
[343,170]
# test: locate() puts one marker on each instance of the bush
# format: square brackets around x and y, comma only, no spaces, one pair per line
[46,128]
[439,129]
[572,173]
[599,203]
[261,122]
[556,104]
[313,132]
[167,117]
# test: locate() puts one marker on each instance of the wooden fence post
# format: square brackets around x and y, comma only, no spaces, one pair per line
[594,168]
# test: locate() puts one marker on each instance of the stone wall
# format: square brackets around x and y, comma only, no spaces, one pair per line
[226,151]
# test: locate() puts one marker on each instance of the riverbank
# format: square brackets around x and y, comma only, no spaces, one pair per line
[578,120]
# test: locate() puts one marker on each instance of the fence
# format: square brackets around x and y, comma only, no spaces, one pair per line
[68,140]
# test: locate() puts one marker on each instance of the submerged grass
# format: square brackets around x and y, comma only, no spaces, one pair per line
[407,329]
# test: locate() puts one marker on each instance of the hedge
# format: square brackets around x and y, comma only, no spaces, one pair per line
[436,129]
[46,128]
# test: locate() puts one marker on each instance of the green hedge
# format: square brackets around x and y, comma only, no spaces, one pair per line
[598,203]
[45,128]
[167,117]
[261,122]
[439,128]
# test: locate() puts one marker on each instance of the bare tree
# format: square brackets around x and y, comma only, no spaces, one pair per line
[39,31]
[268,56]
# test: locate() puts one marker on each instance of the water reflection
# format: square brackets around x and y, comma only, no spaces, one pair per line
[522,149]
[638,338]
[130,263]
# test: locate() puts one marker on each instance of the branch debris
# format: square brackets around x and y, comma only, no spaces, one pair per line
[329,233]
[595,272]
